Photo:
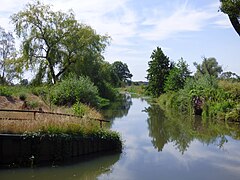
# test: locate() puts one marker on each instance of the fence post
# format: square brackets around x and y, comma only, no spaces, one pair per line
[34,115]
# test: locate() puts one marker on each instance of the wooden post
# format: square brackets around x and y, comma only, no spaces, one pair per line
[34,115]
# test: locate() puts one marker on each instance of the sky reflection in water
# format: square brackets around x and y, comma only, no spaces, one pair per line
[160,146]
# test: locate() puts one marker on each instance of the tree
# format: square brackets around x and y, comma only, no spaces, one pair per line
[158,71]
[177,76]
[54,39]
[209,66]
[232,9]
[122,71]
[7,52]
[230,76]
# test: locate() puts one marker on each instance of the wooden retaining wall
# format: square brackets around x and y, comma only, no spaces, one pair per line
[18,150]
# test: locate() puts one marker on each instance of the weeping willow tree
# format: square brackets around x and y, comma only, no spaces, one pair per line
[54,41]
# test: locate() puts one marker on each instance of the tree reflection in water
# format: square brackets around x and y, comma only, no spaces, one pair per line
[119,108]
[165,127]
[91,168]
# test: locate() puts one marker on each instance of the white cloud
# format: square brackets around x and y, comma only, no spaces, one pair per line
[115,19]
[223,22]
[183,19]
[135,29]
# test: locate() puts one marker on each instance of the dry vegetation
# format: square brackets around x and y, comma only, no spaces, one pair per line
[24,121]
[45,122]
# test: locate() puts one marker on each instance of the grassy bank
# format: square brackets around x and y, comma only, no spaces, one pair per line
[13,97]
[134,90]
[221,98]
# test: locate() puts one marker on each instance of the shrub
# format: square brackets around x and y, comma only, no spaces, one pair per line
[5,91]
[72,90]
[23,97]
[41,91]
[79,109]
[107,91]
[32,104]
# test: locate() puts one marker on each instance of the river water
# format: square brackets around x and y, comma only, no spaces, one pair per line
[157,145]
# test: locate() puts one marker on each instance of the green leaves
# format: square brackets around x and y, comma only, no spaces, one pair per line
[209,67]
[232,9]
[122,71]
[72,90]
[55,38]
[177,76]
[159,68]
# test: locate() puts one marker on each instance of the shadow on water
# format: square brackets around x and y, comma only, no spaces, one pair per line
[119,108]
[165,127]
[90,168]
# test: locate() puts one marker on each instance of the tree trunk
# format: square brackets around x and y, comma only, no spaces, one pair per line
[51,68]
[235,23]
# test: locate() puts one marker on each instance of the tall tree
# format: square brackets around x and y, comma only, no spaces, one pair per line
[209,66]
[232,9]
[54,39]
[158,71]
[177,76]
[7,52]
[122,71]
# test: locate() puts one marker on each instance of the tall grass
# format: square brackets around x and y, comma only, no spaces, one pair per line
[44,122]
[221,98]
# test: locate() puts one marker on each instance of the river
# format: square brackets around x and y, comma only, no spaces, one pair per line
[157,145]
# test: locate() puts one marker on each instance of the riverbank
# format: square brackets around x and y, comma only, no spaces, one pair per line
[220,99]
[46,135]
[25,150]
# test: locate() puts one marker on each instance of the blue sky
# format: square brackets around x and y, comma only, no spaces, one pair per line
[190,29]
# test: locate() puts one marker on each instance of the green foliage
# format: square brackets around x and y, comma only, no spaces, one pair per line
[5,91]
[22,97]
[158,71]
[103,102]
[79,109]
[41,91]
[72,90]
[232,9]
[135,90]
[76,129]
[177,76]
[122,71]
[230,76]
[220,101]
[54,41]
[209,67]
[170,126]
[233,88]
[32,104]
[106,90]
[7,53]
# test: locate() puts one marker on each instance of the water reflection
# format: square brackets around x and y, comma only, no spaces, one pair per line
[119,108]
[165,127]
[88,169]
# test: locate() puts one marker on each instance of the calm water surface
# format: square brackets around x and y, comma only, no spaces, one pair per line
[157,145]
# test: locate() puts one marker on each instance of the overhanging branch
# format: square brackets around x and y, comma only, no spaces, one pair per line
[235,23]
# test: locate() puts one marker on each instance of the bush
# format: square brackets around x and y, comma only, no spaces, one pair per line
[22,97]
[72,90]
[40,91]
[107,91]
[80,109]
[5,91]
[32,104]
